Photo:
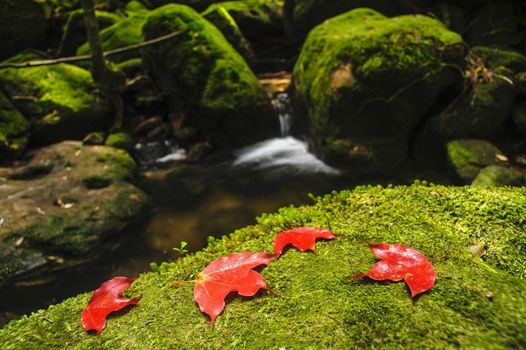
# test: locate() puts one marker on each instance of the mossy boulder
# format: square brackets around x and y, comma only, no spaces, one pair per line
[53,208]
[221,18]
[59,101]
[204,78]
[476,302]
[365,82]
[306,14]
[468,157]
[74,32]
[495,175]
[14,131]
[23,25]
[480,110]
[121,34]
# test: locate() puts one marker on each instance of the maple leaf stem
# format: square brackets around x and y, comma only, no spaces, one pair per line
[272,292]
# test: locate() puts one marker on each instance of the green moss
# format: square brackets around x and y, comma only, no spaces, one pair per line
[221,18]
[120,140]
[123,33]
[496,58]
[64,105]
[315,306]
[362,76]
[14,130]
[202,74]
[468,157]
[495,175]
[119,161]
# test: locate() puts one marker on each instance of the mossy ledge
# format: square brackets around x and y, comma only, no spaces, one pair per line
[476,302]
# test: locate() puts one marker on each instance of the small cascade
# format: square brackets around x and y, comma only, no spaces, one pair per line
[281,104]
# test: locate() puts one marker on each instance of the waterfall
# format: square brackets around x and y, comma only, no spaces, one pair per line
[281,104]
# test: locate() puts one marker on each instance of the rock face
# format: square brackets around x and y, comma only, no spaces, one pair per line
[468,157]
[205,81]
[64,208]
[14,131]
[23,24]
[477,302]
[365,82]
[59,100]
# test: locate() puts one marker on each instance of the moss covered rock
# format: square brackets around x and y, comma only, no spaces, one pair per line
[499,59]
[14,131]
[306,14]
[23,24]
[59,100]
[480,110]
[495,175]
[203,77]
[476,302]
[365,82]
[255,18]
[54,216]
[121,34]
[468,157]
[74,32]
[221,18]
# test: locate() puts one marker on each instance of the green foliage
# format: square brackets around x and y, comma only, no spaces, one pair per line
[316,306]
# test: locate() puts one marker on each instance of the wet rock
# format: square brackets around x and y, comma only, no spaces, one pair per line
[75,206]
[364,82]
[120,140]
[201,74]
[14,131]
[58,100]
[495,175]
[198,151]
[23,25]
[468,157]
[148,125]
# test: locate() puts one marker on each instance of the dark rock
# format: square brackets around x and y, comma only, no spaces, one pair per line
[198,151]
[23,25]
[519,118]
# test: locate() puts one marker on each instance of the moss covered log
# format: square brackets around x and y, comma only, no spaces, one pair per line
[476,302]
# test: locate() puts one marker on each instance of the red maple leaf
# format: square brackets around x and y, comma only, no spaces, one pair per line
[401,263]
[303,238]
[231,273]
[105,300]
